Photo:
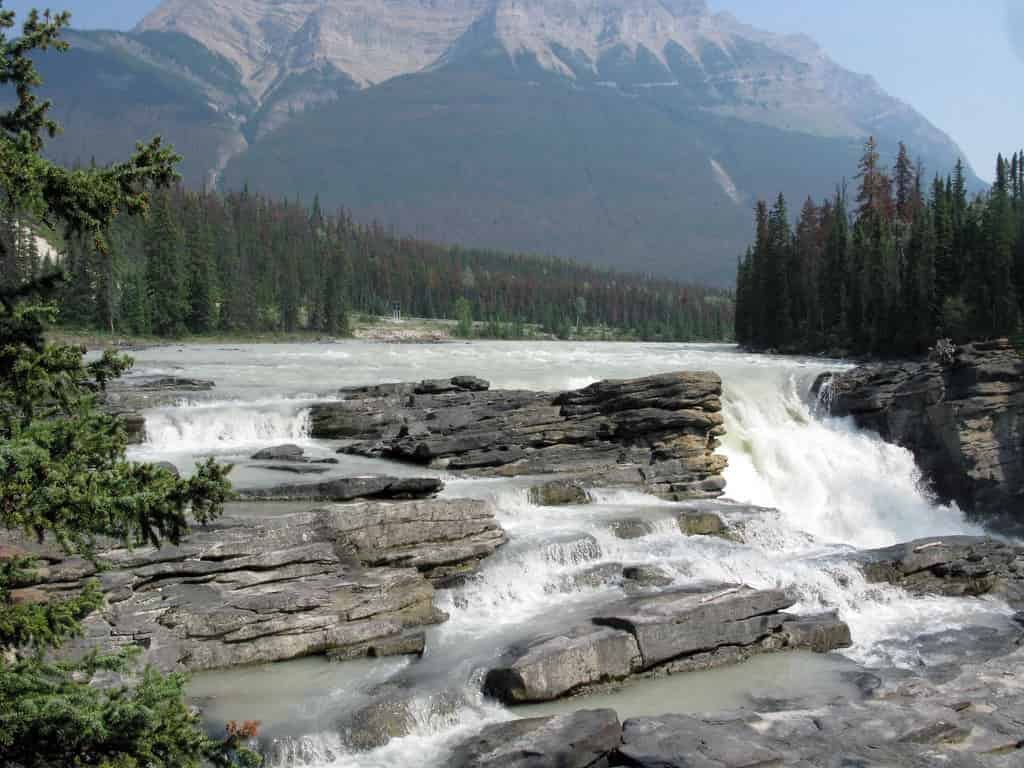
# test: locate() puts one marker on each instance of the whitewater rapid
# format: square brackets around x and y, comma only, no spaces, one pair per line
[833,489]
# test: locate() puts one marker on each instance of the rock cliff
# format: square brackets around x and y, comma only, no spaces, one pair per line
[963,421]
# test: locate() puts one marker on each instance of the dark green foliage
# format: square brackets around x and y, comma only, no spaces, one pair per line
[63,473]
[243,263]
[60,722]
[464,316]
[905,271]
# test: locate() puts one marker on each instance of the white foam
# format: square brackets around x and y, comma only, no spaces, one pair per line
[202,428]
[827,478]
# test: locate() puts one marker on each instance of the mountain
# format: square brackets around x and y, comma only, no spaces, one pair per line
[633,133]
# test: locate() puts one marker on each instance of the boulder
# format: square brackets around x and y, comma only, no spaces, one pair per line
[561,665]
[963,421]
[698,523]
[581,739]
[351,580]
[677,630]
[657,432]
[280,453]
[393,714]
[631,528]
[688,620]
[647,576]
[820,633]
[557,493]
[349,488]
[955,566]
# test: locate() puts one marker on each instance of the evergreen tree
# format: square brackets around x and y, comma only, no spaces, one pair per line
[909,271]
[63,472]
[999,225]
[165,245]
[201,289]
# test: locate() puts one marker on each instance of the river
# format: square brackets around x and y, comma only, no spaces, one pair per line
[835,489]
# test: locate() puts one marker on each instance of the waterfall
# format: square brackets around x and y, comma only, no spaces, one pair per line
[216,427]
[827,477]
[831,489]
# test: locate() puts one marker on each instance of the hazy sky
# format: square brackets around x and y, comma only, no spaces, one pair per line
[960,62]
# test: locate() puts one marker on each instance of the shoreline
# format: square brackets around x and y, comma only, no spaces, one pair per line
[406,331]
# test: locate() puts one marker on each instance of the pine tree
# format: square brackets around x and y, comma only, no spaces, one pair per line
[906,199]
[1001,317]
[165,287]
[201,289]
[65,475]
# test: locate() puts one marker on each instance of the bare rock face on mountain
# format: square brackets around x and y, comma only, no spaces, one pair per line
[658,432]
[605,130]
[963,420]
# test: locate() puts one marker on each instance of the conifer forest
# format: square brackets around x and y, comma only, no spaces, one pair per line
[205,263]
[904,263]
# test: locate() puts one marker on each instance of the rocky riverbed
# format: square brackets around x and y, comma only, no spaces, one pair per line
[508,569]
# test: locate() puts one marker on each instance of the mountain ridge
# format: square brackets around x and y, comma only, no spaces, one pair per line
[282,93]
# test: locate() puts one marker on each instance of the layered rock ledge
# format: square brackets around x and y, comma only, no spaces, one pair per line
[673,631]
[962,419]
[346,579]
[972,719]
[955,566]
[658,432]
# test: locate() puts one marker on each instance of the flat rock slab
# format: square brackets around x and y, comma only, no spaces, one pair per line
[675,631]
[657,432]
[135,393]
[442,538]
[581,739]
[970,719]
[679,741]
[348,580]
[690,620]
[350,488]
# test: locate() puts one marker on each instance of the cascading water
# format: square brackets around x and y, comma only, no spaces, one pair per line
[828,478]
[215,427]
[834,487]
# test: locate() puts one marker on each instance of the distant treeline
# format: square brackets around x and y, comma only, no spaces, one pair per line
[235,263]
[911,263]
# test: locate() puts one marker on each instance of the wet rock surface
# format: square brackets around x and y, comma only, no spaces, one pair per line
[349,488]
[640,634]
[964,422]
[658,432]
[973,719]
[355,579]
[955,566]
[582,739]
[557,493]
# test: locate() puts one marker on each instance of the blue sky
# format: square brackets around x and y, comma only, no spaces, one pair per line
[960,63]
